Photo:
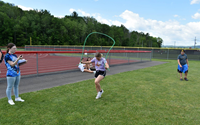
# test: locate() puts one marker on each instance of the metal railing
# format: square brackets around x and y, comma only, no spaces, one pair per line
[157,53]
[40,62]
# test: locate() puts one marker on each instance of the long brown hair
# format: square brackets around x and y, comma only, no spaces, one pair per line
[9,46]
[98,54]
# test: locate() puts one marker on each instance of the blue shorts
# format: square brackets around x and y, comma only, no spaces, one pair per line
[184,69]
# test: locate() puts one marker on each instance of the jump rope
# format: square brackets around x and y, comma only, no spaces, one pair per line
[101,34]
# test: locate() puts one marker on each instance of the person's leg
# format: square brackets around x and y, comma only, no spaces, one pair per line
[16,86]
[180,70]
[180,75]
[87,66]
[186,74]
[86,70]
[97,81]
[98,87]
[10,84]
[185,70]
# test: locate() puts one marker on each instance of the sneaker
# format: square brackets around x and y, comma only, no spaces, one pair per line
[102,92]
[98,95]
[11,102]
[181,79]
[186,79]
[19,99]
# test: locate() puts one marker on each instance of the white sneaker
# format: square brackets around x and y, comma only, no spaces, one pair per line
[11,102]
[19,99]
[99,94]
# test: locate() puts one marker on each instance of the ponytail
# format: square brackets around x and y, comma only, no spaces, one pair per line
[7,50]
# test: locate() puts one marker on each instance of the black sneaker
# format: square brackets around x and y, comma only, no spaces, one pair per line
[186,79]
[181,79]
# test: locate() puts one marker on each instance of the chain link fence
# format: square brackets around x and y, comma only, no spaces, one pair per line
[156,53]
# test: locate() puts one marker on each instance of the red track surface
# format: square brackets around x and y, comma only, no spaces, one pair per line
[48,63]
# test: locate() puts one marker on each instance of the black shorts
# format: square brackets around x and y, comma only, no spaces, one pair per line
[98,72]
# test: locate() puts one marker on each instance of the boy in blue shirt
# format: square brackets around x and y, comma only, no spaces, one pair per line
[183,65]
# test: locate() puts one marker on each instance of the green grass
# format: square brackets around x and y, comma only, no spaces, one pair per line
[149,96]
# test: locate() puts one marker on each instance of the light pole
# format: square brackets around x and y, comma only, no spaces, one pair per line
[195,42]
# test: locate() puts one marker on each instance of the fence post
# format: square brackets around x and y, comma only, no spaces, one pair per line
[37,62]
[168,54]
[128,58]
[150,56]
[109,58]
[124,53]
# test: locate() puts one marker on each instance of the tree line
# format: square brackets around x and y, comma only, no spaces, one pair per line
[17,26]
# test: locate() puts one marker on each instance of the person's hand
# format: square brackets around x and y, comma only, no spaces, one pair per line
[20,57]
[181,66]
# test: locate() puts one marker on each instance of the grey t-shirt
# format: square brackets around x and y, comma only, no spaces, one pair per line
[182,59]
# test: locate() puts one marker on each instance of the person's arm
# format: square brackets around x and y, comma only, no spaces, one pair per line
[179,63]
[86,62]
[178,59]
[187,62]
[106,66]
[14,63]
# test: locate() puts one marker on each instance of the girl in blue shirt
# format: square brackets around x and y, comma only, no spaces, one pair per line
[13,73]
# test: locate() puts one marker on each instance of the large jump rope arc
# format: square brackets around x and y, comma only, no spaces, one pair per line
[101,34]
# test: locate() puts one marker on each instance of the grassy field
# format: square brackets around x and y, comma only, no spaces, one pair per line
[149,96]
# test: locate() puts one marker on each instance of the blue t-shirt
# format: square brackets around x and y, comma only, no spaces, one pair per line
[11,71]
[182,59]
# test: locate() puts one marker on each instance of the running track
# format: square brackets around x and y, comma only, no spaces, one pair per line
[51,63]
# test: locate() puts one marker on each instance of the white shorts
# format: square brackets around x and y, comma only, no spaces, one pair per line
[81,67]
